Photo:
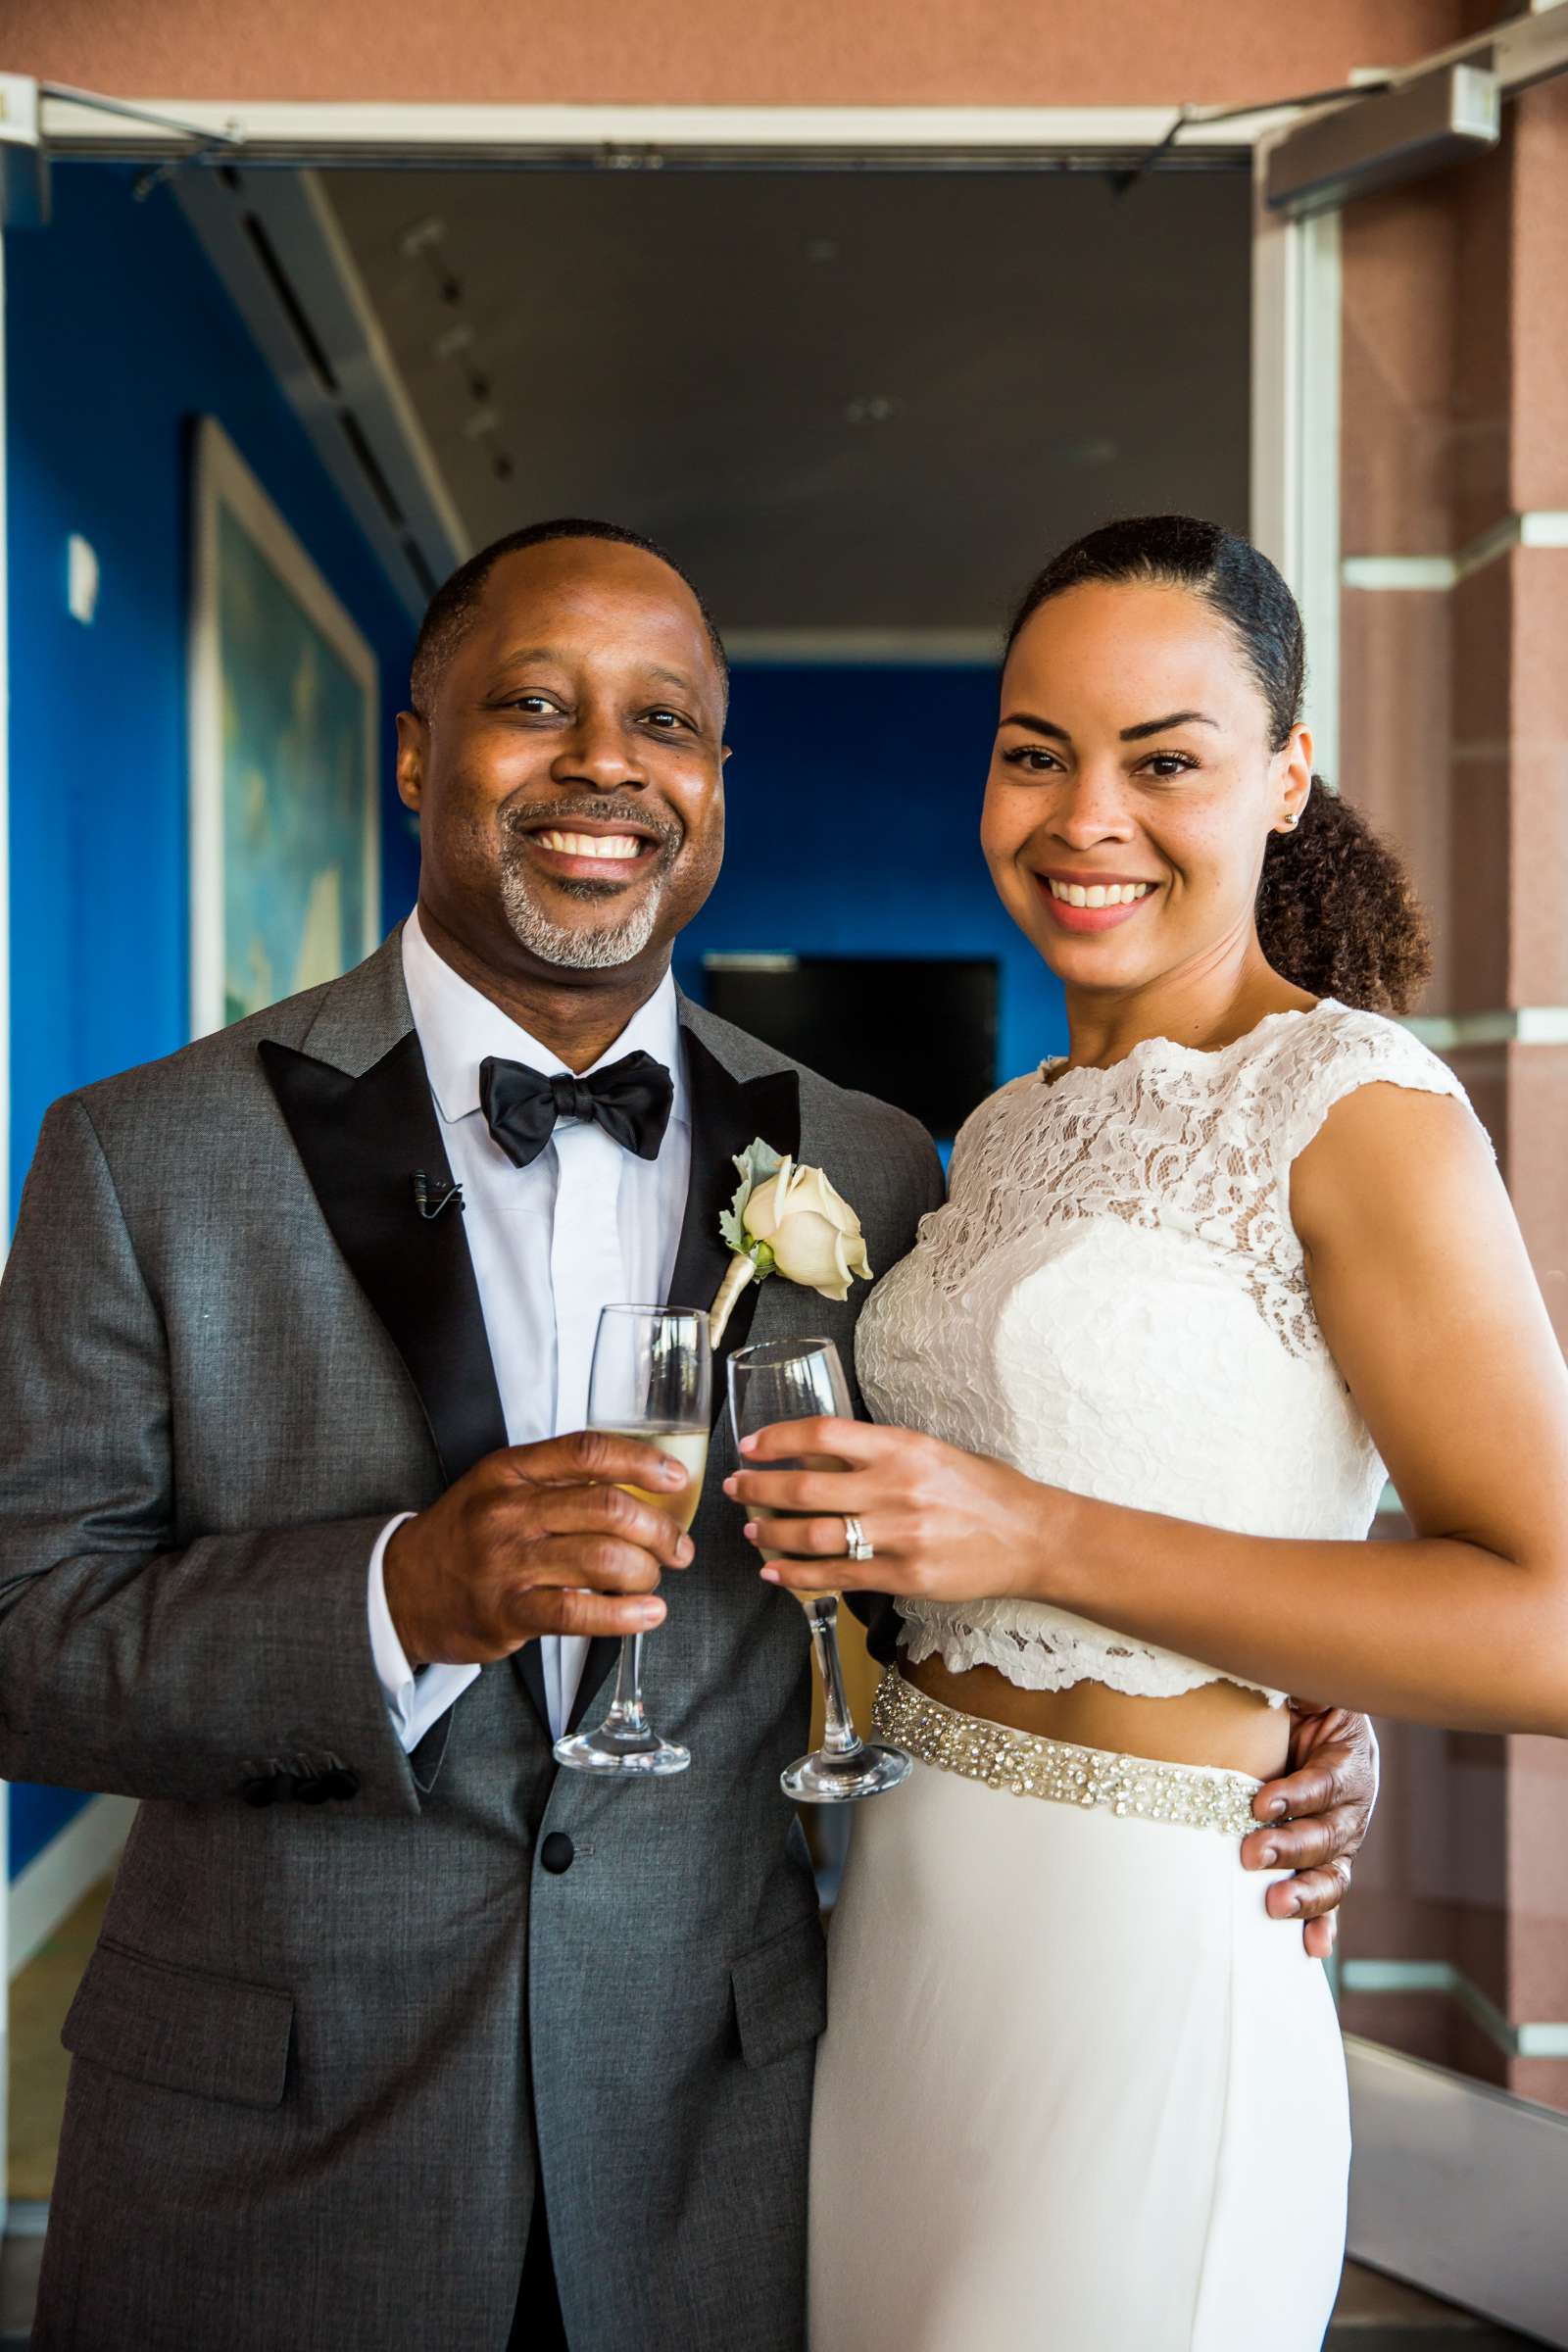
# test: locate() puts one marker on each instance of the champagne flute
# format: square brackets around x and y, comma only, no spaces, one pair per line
[799,1379]
[651,1379]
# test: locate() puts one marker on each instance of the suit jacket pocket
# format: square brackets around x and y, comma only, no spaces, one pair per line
[781,1992]
[181,2027]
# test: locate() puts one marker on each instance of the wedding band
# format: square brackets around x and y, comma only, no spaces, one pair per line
[855,1542]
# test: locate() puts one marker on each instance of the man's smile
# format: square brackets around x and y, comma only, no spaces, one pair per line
[590,845]
[596,849]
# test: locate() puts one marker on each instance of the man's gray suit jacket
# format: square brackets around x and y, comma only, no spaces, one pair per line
[343,2018]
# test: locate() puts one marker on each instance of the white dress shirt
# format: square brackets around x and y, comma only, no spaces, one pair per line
[585,1225]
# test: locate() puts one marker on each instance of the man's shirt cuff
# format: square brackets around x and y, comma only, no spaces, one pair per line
[413,1700]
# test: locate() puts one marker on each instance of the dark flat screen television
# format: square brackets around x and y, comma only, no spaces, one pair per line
[918,1031]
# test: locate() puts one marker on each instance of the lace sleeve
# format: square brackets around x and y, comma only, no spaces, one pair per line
[1325,1063]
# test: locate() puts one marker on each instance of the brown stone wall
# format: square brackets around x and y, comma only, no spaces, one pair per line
[1397,753]
[1400,344]
[1454,733]
[1540,273]
[716,52]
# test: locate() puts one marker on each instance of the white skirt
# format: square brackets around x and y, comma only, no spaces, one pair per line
[1078,2092]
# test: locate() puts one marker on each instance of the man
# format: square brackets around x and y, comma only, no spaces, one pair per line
[294,1549]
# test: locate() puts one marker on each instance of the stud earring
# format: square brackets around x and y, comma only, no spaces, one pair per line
[1289,823]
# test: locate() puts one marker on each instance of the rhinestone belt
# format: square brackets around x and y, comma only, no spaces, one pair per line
[1028,1766]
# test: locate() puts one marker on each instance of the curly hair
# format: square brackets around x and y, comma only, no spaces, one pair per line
[1335,911]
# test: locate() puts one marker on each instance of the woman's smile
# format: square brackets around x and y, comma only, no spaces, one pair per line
[1090,901]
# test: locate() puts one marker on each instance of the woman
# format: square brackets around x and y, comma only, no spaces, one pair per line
[1194,1285]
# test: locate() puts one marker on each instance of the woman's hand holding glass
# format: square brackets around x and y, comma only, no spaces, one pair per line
[940,1522]
[788,1388]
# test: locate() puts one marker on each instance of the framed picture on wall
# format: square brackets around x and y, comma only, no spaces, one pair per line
[285,841]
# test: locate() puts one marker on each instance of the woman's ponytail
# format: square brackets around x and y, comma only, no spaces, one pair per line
[1336,912]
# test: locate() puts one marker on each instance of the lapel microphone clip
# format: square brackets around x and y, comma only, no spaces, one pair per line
[432,1204]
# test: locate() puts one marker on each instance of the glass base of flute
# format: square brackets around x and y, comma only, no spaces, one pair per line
[650,1380]
[626,1742]
[798,1380]
[846,1766]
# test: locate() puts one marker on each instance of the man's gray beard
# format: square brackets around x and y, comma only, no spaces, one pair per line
[587,951]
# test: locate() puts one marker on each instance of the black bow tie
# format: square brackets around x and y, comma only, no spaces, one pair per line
[630,1101]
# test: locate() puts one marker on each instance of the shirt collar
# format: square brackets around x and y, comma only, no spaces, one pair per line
[458,1027]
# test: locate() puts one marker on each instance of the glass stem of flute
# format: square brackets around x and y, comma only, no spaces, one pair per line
[839,1735]
[626,1707]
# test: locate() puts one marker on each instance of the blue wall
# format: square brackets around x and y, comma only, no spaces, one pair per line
[854,801]
[118,334]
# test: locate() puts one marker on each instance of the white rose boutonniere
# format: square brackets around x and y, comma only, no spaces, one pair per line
[787,1219]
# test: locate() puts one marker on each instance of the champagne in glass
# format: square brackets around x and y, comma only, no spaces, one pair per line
[799,1379]
[689,1448]
[651,1380]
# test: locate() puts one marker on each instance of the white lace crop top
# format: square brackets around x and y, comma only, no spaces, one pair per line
[1115,1302]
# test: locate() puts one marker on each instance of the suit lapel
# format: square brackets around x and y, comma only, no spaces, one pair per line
[363,1139]
[726,1114]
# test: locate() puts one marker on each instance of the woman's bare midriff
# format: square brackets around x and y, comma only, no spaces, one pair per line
[1220,1723]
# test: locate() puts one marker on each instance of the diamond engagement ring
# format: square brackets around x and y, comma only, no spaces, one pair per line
[855,1542]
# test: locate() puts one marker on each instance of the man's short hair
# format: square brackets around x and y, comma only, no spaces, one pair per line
[455,606]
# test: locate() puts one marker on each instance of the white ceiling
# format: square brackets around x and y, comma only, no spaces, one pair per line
[848,402]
